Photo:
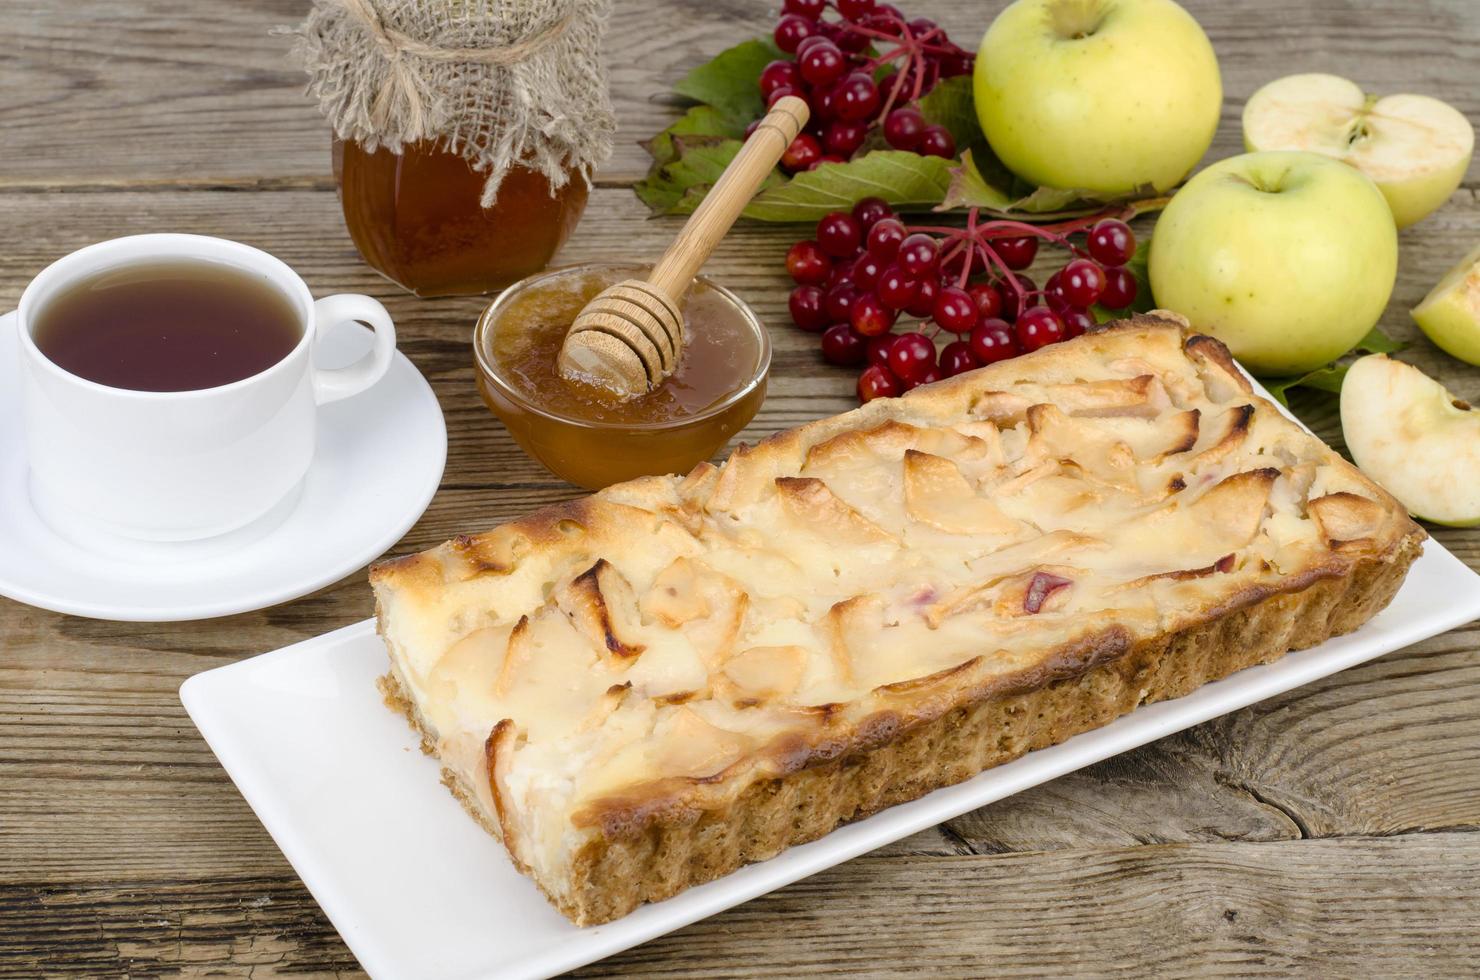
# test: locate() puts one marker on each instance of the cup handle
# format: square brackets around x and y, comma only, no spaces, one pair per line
[330,385]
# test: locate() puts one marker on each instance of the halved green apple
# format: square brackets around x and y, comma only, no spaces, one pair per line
[1415,148]
[1450,313]
[1407,432]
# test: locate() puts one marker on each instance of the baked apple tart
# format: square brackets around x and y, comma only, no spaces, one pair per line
[647,688]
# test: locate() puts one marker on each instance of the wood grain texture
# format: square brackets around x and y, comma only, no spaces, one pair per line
[1330,830]
[179,92]
[1357,906]
[1353,907]
[182,93]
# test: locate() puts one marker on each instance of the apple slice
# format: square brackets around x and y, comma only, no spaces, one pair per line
[1407,432]
[1414,148]
[1450,313]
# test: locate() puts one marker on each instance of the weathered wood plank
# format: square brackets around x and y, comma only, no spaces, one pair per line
[178,93]
[1385,748]
[181,93]
[259,925]
[125,849]
[1355,907]
[1351,907]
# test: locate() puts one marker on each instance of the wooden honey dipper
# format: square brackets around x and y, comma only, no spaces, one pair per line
[630,337]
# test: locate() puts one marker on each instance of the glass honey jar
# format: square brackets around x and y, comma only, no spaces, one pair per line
[416,217]
[579,432]
[465,134]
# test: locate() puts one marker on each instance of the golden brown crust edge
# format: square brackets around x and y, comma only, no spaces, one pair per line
[644,852]
[615,873]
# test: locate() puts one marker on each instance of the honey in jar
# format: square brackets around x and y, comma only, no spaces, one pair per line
[417,218]
[585,433]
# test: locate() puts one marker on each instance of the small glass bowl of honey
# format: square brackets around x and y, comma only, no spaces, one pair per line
[583,433]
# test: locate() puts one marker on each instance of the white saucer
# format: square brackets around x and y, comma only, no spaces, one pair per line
[378,463]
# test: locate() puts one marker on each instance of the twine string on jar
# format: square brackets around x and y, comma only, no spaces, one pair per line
[518,83]
[399,81]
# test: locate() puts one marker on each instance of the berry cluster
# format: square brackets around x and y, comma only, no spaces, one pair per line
[851,86]
[866,268]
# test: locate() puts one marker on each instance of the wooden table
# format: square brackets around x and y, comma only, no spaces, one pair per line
[1331,830]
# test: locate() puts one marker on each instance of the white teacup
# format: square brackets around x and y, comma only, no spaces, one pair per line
[181,465]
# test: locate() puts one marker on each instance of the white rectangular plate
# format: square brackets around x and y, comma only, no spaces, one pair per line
[417,889]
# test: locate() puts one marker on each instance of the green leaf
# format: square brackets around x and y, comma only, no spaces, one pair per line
[951,104]
[731,81]
[981,181]
[1329,377]
[1140,267]
[1377,342]
[689,155]
[1326,378]
[696,192]
[1051,200]
[694,165]
[700,121]
[969,187]
[908,181]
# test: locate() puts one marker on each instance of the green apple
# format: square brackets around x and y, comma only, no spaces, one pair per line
[1407,432]
[1450,313]
[1104,96]
[1288,258]
[1415,149]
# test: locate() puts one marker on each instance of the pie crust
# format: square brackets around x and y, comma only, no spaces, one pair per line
[645,689]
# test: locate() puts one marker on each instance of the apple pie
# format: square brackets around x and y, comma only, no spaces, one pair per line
[647,688]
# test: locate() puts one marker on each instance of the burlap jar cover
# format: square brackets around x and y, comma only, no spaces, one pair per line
[500,82]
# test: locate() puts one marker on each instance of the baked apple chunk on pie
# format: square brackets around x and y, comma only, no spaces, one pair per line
[646,688]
